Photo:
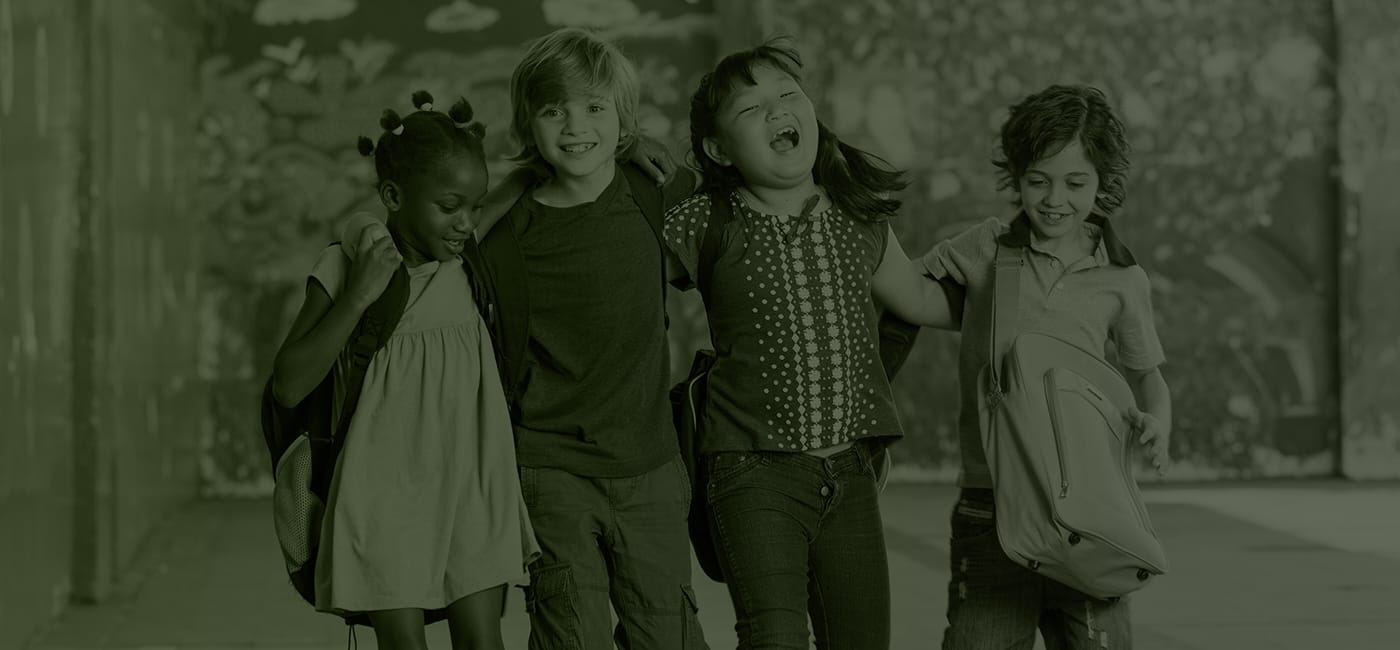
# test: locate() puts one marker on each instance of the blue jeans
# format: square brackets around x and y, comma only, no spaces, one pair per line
[800,535]
[997,604]
[611,544]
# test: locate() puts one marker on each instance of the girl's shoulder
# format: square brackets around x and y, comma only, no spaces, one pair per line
[692,212]
[700,201]
[331,268]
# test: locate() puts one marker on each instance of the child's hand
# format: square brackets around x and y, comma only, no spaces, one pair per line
[359,233]
[1155,436]
[370,274]
[654,158]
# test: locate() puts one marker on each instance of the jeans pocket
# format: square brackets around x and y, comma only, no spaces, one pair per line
[726,466]
[970,522]
[692,636]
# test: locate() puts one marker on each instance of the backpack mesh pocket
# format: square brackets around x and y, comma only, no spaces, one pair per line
[296,510]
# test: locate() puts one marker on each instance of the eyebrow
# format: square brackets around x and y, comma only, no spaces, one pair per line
[1042,173]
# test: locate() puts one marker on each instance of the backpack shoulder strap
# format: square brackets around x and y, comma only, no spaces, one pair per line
[721,213]
[1006,289]
[504,292]
[347,377]
[650,200]
[648,196]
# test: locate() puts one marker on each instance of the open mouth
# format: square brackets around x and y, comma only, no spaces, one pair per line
[583,147]
[1054,218]
[785,139]
[455,246]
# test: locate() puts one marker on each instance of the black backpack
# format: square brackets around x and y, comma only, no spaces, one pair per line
[303,441]
[689,397]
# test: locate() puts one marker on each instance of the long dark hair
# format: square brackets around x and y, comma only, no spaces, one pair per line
[858,182]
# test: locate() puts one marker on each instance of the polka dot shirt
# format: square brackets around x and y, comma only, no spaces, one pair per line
[793,325]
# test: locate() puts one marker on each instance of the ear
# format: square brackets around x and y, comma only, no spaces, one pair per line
[1097,208]
[716,152]
[391,195]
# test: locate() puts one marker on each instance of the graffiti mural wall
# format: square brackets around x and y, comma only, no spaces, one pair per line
[1234,204]
[287,87]
[1231,110]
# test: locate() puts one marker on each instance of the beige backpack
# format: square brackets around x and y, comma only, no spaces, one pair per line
[1060,453]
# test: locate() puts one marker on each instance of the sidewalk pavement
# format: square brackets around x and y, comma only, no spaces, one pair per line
[1281,566]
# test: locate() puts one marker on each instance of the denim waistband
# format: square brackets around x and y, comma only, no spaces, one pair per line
[855,459]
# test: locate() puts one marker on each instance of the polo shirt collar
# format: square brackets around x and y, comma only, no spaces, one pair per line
[1019,236]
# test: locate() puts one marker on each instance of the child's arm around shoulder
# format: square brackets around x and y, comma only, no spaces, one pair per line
[966,255]
[324,324]
[902,287]
[930,291]
[499,200]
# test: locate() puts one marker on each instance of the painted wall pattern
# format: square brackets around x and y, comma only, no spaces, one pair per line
[287,86]
[1231,110]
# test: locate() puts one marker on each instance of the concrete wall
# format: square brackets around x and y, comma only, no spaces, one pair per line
[1369,88]
[39,138]
[98,282]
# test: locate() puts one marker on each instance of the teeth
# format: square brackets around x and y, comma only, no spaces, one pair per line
[577,148]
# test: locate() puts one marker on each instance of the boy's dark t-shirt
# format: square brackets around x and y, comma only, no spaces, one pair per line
[595,400]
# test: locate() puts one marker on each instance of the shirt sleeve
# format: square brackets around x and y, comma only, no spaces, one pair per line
[960,256]
[684,230]
[330,270]
[1134,331]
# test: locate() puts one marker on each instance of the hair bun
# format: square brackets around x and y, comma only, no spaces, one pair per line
[461,111]
[422,100]
[391,121]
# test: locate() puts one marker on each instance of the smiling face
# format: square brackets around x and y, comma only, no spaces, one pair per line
[578,136]
[434,212]
[767,130]
[1057,194]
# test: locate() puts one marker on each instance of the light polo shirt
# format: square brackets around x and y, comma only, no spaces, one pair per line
[1102,298]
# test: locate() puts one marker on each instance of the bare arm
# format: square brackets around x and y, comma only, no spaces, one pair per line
[323,326]
[901,286]
[1154,419]
[499,199]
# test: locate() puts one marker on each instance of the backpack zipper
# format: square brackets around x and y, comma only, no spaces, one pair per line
[690,395]
[1051,390]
